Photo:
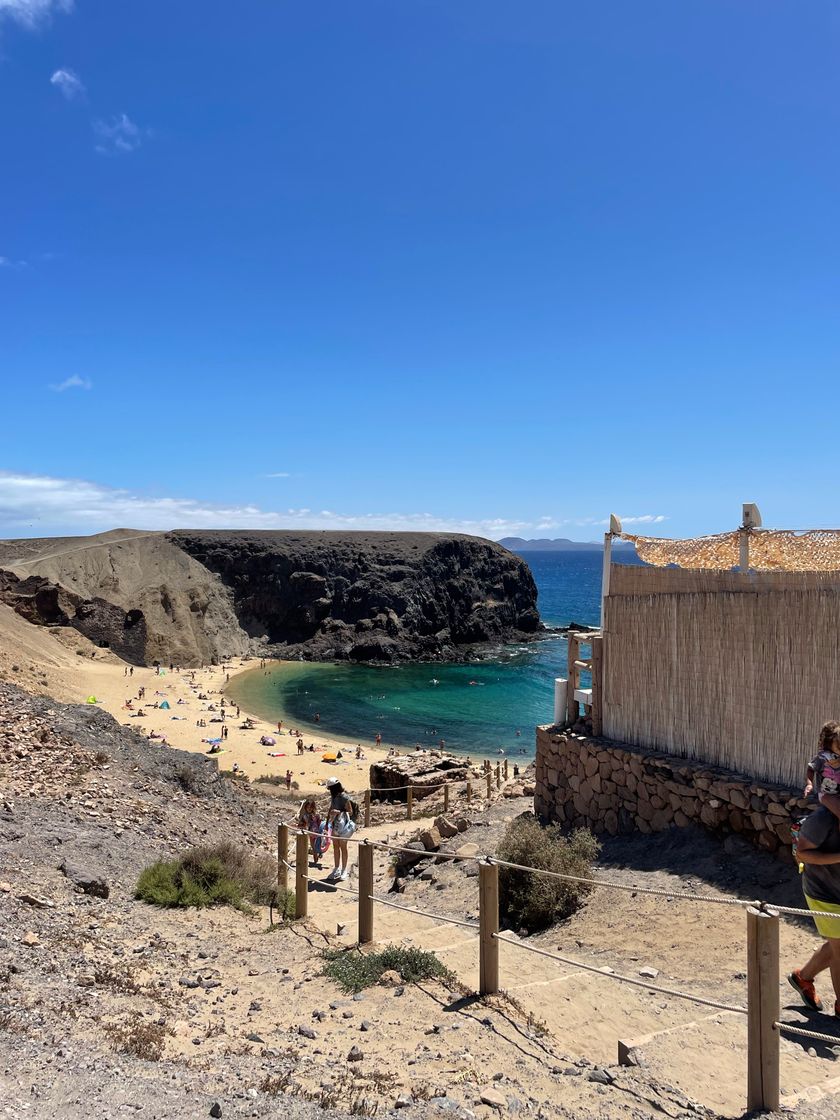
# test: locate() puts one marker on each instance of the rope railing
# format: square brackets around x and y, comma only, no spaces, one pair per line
[683,895]
[424,913]
[787,1028]
[764,1029]
[619,976]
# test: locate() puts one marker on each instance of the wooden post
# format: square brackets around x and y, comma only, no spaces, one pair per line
[365,892]
[469,791]
[573,674]
[367,808]
[498,775]
[744,550]
[409,801]
[446,797]
[605,576]
[489,777]
[505,769]
[597,686]
[488,920]
[301,876]
[762,1010]
[282,857]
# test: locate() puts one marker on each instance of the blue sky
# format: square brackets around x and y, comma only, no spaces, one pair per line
[426,264]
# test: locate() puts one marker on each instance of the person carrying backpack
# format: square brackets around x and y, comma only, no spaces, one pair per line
[340,819]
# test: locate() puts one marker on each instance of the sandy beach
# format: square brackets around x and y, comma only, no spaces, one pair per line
[183,691]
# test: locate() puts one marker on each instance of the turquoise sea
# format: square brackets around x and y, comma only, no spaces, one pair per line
[475,708]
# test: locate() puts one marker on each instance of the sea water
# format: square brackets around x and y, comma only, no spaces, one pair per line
[477,708]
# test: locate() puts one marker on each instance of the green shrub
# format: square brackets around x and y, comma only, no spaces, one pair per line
[353,971]
[211,875]
[534,902]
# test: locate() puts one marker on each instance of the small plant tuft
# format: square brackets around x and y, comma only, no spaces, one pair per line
[210,875]
[535,902]
[353,971]
[139,1038]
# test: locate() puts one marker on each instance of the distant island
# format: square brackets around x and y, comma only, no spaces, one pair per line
[559,544]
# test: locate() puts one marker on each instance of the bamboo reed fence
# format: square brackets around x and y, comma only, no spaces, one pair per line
[739,669]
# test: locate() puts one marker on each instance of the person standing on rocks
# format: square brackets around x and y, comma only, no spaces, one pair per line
[818,850]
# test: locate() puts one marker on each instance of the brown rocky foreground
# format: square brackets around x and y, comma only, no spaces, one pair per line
[109,1008]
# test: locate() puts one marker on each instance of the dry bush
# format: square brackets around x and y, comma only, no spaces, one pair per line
[139,1038]
[535,902]
[210,875]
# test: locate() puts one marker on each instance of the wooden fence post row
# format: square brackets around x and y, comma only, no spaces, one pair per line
[762,1010]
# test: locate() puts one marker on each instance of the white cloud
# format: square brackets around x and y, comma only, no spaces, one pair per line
[642,519]
[278,474]
[31,13]
[119,134]
[7,262]
[74,382]
[68,82]
[81,506]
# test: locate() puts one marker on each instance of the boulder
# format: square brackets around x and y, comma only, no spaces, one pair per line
[90,881]
[430,839]
[446,827]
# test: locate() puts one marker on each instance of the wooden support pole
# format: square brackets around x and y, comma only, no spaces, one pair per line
[498,775]
[409,801]
[573,674]
[489,776]
[446,797]
[505,769]
[597,686]
[367,808]
[365,892]
[762,1010]
[301,876]
[488,921]
[282,857]
[469,791]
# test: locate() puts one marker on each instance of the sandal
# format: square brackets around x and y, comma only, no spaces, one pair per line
[807,991]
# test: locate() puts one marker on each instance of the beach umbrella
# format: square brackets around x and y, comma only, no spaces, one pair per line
[91,700]
[268,740]
[329,757]
[165,704]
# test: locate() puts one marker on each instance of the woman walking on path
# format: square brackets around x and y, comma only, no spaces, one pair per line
[818,849]
[340,821]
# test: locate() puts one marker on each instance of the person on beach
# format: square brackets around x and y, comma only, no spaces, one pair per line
[378,739]
[818,850]
[340,821]
[288,779]
[822,777]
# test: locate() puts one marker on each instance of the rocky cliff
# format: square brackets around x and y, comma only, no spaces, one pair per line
[196,596]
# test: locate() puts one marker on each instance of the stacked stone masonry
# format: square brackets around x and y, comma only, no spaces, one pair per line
[616,788]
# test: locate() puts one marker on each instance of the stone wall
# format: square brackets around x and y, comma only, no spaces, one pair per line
[616,788]
[425,771]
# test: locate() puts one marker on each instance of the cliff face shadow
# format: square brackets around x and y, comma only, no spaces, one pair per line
[696,858]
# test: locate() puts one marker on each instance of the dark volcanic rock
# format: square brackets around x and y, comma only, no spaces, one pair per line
[191,597]
[369,596]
